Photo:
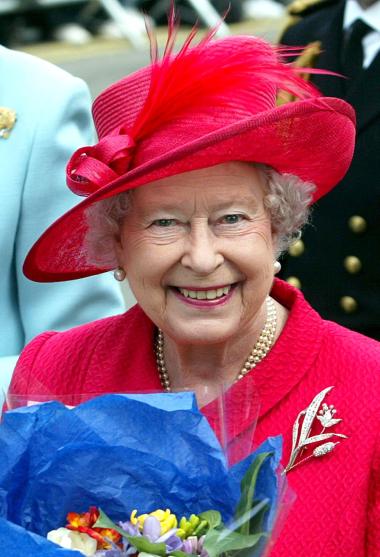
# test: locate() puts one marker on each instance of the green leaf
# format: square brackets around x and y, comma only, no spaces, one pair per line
[247,488]
[104,521]
[144,545]
[219,541]
[256,522]
[214,518]
[179,553]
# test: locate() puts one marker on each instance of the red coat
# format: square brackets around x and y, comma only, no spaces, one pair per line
[337,510]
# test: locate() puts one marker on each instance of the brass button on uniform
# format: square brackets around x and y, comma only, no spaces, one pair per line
[297,248]
[352,264]
[348,304]
[294,281]
[357,224]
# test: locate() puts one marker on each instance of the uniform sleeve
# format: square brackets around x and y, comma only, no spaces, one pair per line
[373,529]
[64,124]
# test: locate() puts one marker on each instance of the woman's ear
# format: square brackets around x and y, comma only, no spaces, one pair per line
[119,247]
[119,250]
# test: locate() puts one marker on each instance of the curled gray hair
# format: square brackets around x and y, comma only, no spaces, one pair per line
[287,201]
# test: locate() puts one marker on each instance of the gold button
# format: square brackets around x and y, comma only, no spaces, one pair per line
[294,281]
[352,264]
[297,248]
[357,224]
[348,304]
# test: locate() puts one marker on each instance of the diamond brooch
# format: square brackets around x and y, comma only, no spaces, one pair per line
[302,438]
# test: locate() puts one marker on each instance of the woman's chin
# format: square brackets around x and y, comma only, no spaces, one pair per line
[201,332]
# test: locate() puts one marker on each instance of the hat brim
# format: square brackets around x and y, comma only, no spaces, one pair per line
[312,139]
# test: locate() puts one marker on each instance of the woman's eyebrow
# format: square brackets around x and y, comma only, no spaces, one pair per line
[247,201]
[150,208]
[171,206]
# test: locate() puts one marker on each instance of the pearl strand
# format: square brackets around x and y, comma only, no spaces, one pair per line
[258,353]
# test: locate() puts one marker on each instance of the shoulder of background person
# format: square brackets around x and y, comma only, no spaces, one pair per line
[33,88]
[304,14]
[302,8]
[23,69]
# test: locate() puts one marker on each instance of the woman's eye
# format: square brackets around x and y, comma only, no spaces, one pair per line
[231,219]
[164,223]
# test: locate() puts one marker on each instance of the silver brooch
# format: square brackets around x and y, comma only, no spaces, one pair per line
[7,121]
[316,411]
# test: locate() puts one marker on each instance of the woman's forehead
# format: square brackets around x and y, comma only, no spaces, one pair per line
[220,185]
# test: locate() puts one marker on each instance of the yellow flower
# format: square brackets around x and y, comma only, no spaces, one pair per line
[166,519]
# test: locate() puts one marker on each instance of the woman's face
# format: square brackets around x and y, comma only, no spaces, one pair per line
[197,249]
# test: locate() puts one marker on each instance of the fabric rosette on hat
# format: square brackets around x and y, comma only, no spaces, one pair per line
[208,104]
[131,474]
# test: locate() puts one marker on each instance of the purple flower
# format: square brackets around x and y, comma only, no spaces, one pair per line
[129,528]
[172,542]
[194,546]
[152,529]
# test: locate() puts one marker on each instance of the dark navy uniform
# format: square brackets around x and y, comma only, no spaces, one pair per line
[336,263]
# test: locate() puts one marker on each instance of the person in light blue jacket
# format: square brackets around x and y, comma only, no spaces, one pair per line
[44,117]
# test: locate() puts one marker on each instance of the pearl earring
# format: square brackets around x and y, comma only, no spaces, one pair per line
[277,267]
[119,274]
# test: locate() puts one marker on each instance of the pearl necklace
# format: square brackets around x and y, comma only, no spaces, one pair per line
[259,351]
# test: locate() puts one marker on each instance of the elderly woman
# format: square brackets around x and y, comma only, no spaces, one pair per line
[197,184]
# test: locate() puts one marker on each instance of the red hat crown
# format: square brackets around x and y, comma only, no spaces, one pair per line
[179,99]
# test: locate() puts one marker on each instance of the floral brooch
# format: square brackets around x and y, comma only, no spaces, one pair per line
[302,438]
[7,121]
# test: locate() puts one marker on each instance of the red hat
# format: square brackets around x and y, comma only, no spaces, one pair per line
[210,103]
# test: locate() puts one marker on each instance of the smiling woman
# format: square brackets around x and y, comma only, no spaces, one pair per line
[197,184]
[218,237]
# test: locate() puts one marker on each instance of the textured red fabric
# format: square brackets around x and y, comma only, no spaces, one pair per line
[337,511]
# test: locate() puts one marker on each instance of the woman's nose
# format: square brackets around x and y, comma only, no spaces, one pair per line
[202,254]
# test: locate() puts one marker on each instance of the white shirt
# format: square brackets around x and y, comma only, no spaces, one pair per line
[371,16]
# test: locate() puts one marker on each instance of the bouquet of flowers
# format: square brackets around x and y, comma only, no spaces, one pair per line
[130,475]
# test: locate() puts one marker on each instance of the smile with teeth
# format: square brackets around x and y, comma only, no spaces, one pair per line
[211,294]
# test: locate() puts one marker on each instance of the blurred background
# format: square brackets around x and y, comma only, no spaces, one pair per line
[103,40]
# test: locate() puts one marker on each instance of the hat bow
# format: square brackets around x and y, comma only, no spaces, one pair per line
[93,166]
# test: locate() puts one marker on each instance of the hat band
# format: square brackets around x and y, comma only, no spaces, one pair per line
[91,168]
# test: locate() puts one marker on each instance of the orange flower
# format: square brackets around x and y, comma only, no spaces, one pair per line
[86,519]
[85,523]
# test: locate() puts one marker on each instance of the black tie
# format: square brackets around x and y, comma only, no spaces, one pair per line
[352,60]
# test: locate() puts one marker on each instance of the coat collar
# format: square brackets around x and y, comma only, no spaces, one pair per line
[292,356]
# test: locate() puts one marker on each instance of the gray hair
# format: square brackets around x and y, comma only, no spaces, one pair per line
[287,201]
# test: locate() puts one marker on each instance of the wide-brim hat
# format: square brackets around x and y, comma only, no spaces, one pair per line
[210,103]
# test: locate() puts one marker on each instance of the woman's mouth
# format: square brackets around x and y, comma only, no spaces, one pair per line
[205,297]
[211,294]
